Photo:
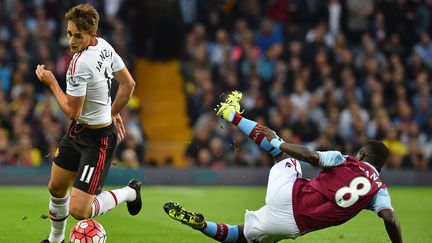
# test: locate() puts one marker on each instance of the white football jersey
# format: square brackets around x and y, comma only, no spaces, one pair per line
[90,73]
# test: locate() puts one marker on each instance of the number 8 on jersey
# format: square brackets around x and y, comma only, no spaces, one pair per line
[359,186]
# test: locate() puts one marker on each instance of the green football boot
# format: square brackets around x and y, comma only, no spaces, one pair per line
[227,109]
[177,212]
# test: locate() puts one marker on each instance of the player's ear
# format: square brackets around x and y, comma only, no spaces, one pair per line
[360,155]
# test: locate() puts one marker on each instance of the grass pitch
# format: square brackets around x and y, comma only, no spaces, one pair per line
[22,210]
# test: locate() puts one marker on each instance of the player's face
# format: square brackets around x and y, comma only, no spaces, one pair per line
[77,39]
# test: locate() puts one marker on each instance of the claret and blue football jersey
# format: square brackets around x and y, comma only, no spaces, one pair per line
[342,189]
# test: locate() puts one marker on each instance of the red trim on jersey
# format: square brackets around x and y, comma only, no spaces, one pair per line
[100,164]
[114,196]
[237,119]
[74,61]
[295,166]
[95,44]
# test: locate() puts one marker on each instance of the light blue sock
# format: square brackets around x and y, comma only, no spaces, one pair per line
[248,127]
[221,232]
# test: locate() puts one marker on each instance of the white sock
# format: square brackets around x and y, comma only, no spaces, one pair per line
[108,200]
[59,211]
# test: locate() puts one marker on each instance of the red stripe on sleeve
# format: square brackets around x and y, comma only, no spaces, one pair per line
[74,62]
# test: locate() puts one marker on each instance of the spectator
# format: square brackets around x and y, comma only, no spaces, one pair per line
[424,49]
[397,148]
[304,128]
[358,15]
[334,16]
[268,35]
[333,64]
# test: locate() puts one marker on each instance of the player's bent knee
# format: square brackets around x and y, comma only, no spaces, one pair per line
[251,228]
[247,233]
[250,232]
[79,213]
[56,190]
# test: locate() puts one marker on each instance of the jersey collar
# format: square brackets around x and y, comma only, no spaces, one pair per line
[94,44]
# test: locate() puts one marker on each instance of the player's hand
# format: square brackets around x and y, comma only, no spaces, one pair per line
[118,123]
[270,134]
[45,76]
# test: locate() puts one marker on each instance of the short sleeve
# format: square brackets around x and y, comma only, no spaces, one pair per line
[381,201]
[118,63]
[77,81]
[330,158]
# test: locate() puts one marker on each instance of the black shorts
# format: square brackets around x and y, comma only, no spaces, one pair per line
[89,153]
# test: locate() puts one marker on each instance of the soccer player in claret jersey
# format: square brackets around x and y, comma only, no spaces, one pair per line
[84,155]
[295,206]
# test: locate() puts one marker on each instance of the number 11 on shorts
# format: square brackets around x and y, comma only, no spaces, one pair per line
[85,175]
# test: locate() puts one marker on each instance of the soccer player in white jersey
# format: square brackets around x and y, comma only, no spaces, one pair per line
[84,155]
[295,206]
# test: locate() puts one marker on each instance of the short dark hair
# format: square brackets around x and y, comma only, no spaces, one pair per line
[377,152]
[85,17]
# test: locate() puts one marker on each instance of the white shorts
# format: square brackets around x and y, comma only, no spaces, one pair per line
[275,221]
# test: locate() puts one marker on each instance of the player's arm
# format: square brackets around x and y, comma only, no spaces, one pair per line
[381,204]
[71,105]
[297,151]
[300,152]
[392,225]
[125,90]
[126,87]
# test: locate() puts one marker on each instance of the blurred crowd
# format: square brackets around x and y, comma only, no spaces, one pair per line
[329,74]
[31,121]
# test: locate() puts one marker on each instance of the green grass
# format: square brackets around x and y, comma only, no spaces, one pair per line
[21,208]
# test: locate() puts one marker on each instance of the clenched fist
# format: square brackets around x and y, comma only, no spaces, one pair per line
[45,76]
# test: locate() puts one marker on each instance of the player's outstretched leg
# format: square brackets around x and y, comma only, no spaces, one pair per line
[219,232]
[230,111]
[108,200]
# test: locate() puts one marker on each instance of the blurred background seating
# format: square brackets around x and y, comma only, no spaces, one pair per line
[329,74]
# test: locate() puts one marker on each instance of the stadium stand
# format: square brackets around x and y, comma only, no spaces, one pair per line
[329,74]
